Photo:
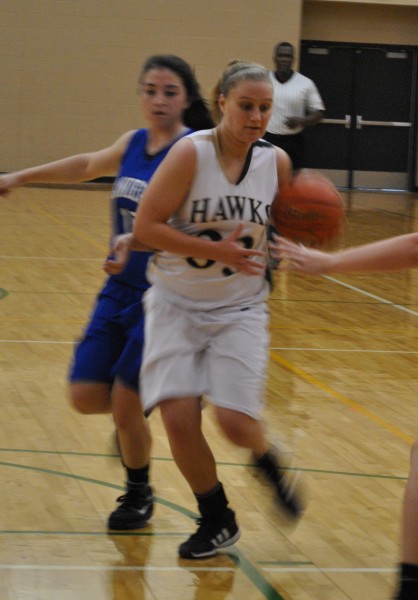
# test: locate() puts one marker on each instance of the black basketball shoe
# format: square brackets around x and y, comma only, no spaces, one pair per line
[211,535]
[284,484]
[135,510]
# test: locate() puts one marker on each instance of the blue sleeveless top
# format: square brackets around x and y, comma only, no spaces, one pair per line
[136,170]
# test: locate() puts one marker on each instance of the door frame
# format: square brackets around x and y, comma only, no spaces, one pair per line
[412,172]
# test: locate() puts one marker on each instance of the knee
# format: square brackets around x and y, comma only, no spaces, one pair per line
[414,453]
[236,426]
[180,421]
[85,399]
[79,402]
[127,415]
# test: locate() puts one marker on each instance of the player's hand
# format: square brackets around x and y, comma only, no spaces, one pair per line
[121,249]
[8,182]
[235,255]
[293,122]
[297,258]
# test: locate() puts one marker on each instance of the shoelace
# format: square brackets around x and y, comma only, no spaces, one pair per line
[204,528]
[132,496]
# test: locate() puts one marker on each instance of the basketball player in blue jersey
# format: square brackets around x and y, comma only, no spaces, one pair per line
[105,369]
[206,210]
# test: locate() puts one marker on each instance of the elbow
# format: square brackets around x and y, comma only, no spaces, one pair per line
[139,239]
[142,237]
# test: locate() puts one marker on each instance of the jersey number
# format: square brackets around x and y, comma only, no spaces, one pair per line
[247,241]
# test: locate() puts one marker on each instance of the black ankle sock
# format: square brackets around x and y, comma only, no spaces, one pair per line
[137,476]
[212,503]
[408,582]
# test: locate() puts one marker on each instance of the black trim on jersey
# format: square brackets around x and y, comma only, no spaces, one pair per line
[247,163]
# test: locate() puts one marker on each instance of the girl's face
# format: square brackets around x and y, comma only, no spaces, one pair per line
[247,109]
[163,97]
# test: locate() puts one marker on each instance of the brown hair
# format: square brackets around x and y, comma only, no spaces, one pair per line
[236,70]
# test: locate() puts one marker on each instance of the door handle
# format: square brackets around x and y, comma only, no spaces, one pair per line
[346,122]
[360,122]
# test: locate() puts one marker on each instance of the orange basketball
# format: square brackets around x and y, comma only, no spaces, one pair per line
[309,210]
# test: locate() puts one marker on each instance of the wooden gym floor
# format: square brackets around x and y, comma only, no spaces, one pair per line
[342,397]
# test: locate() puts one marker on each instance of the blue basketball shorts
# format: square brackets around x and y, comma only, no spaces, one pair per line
[111,346]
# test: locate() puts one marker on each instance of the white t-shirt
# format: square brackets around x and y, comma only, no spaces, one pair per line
[294,98]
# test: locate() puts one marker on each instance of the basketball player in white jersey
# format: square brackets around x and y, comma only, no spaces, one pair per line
[206,211]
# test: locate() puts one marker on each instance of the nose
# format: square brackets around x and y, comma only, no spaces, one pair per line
[256,115]
[159,97]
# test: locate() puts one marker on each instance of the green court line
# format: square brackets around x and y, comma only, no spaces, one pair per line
[284,563]
[95,533]
[224,464]
[3,293]
[248,569]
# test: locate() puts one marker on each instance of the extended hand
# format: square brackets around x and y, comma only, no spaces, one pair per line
[8,182]
[298,258]
[293,122]
[121,250]
[233,254]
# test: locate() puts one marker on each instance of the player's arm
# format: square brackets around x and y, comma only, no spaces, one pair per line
[310,119]
[121,248]
[284,168]
[314,117]
[164,196]
[315,110]
[392,254]
[73,169]
[284,175]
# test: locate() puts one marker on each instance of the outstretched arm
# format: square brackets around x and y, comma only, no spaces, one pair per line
[392,254]
[73,169]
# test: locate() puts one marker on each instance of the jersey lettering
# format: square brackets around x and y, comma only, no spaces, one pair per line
[128,187]
[247,241]
[229,208]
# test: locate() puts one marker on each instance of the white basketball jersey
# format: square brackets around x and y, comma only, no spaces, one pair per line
[212,210]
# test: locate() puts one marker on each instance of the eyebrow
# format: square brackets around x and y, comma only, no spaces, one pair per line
[169,85]
[269,99]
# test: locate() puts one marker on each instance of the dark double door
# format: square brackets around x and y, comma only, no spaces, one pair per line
[367,137]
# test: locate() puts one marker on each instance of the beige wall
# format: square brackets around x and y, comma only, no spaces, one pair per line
[394,2]
[351,22]
[68,70]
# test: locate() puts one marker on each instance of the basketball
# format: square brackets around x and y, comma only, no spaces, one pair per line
[309,210]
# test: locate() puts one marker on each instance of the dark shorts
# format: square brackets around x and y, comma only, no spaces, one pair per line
[294,145]
[112,343]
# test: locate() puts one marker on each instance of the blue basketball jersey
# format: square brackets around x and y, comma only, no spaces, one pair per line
[136,170]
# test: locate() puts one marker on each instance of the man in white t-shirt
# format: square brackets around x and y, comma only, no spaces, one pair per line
[297,104]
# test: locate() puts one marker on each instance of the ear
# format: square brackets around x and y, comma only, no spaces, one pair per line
[221,103]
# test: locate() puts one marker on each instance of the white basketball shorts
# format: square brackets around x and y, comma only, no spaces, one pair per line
[221,353]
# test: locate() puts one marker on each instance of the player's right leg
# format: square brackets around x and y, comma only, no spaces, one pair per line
[217,527]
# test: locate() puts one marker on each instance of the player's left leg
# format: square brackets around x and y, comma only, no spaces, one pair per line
[134,437]
[246,432]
